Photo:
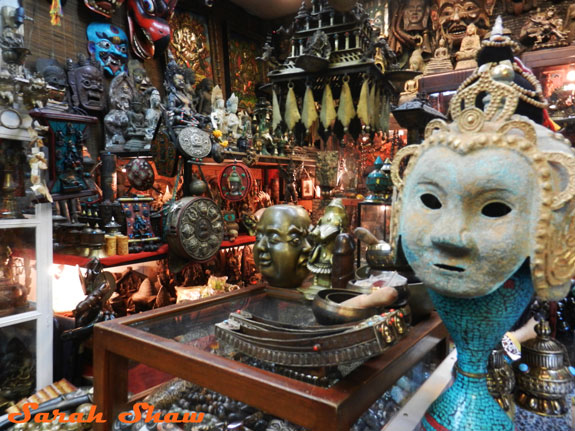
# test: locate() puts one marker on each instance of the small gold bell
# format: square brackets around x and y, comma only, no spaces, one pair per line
[544,377]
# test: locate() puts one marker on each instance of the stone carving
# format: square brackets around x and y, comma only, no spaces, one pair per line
[468,49]
[137,126]
[204,96]
[410,26]
[441,61]
[232,120]
[116,121]
[153,113]
[544,29]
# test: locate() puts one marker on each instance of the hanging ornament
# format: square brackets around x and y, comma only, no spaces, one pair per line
[371,105]
[384,111]
[377,110]
[292,115]
[345,111]
[309,113]
[327,114]
[276,114]
[56,14]
[362,104]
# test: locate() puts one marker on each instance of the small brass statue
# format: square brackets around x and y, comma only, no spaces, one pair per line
[282,248]
[333,222]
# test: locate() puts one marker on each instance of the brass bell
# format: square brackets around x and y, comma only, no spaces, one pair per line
[543,375]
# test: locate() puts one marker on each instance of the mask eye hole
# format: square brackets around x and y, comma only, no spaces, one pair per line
[495,209]
[149,6]
[430,201]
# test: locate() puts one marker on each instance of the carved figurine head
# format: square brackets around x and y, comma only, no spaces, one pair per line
[488,194]
[106,8]
[108,45]
[139,75]
[121,92]
[149,27]
[281,249]
[415,15]
[451,17]
[232,104]
[52,71]
[85,79]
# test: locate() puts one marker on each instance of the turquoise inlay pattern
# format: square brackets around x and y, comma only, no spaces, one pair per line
[476,326]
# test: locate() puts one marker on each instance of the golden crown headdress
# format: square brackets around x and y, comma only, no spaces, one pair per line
[484,112]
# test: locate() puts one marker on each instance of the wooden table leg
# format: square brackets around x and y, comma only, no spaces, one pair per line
[110,385]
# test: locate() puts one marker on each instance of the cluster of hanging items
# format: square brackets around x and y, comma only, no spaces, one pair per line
[372,108]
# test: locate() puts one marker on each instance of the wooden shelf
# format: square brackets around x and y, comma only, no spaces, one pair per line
[450,81]
[145,256]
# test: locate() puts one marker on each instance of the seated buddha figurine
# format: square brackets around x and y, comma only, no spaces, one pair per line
[484,213]
[441,61]
[470,45]
[137,126]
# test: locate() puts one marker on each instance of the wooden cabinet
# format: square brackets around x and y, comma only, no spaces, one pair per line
[26,298]
[179,340]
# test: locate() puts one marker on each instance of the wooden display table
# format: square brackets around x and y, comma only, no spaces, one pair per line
[178,339]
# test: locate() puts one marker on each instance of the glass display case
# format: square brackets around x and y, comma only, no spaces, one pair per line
[375,217]
[25,304]
[180,340]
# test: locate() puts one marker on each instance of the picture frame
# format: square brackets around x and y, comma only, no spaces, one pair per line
[307,188]
[191,44]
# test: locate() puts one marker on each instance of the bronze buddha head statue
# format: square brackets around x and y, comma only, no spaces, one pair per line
[281,249]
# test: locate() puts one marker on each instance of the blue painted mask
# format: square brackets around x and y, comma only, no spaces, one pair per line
[108,45]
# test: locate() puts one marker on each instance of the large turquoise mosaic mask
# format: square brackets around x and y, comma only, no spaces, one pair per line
[484,214]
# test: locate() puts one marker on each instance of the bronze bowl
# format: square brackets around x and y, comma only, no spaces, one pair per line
[327,308]
[419,300]
[378,256]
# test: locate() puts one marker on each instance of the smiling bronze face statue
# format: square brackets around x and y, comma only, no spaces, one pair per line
[281,250]
[484,214]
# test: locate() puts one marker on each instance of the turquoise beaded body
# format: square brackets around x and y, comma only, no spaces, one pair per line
[476,325]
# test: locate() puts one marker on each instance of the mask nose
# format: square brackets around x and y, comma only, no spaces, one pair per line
[452,237]
[455,16]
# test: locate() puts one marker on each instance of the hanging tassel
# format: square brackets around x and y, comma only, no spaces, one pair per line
[362,104]
[327,114]
[56,14]
[345,111]
[276,114]
[309,113]
[292,115]
[377,110]
[371,108]
[385,112]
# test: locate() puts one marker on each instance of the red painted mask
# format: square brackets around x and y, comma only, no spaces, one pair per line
[148,26]
[104,7]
